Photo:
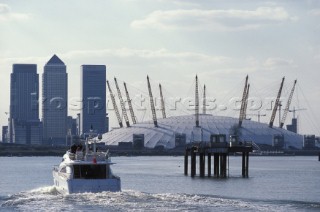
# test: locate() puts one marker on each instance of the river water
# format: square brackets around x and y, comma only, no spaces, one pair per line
[157,183]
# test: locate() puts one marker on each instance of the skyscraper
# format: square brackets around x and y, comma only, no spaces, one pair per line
[93,94]
[4,134]
[54,101]
[24,124]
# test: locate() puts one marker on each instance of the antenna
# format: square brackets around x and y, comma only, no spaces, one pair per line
[197,103]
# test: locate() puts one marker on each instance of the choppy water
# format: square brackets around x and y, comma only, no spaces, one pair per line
[158,184]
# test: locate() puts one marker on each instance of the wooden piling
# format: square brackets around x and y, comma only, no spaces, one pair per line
[186,161]
[220,165]
[216,164]
[209,164]
[201,164]
[247,164]
[243,164]
[193,162]
[223,165]
[224,174]
[228,164]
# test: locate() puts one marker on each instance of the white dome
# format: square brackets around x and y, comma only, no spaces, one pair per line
[164,134]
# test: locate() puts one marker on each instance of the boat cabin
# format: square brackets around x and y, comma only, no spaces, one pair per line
[92,171]
[91,165]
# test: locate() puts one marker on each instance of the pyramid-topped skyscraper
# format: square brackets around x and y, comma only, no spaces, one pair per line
[55,60]
[54,101]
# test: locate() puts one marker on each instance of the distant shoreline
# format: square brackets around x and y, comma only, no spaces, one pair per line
[16,150]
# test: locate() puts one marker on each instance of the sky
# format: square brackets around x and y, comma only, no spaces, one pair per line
[172,41]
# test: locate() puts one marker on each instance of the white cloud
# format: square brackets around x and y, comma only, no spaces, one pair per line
[185,3]
[127,59]
[160,54]
[7,62]
[315,12]
[4,9]
[277,62]
[7,15]
[317,58]
[220,20]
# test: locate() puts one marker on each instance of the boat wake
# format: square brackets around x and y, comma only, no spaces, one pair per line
[49,199]
[51,190]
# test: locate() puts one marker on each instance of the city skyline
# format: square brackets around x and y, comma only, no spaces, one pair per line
[172,41]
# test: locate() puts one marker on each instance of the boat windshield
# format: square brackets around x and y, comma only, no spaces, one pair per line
[93,171]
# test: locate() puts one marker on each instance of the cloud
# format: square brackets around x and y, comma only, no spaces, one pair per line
[317,58]
[4,9]
[128,59]
[8,61]
[7,15]
[122,60]
[133,64]
[314,12]
[277,62]
[180,3]
[184,3]
[217,20]
[160,54]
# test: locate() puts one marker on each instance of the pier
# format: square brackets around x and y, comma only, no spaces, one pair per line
[219,152]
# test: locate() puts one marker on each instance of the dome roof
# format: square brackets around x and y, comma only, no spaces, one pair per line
[169,128]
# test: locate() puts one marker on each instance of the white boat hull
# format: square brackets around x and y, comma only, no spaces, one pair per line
[69,186]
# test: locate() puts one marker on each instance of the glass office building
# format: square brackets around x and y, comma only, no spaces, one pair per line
[93,94]
[54,102]
[24,124]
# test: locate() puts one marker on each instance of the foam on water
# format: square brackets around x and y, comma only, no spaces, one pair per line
[45,190]
[48,199]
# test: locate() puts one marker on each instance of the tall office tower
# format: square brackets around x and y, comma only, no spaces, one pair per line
[54,102]
[24,124]
[93,94]
[4,134]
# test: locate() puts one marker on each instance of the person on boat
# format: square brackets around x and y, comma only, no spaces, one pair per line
[79,148]
[73,148]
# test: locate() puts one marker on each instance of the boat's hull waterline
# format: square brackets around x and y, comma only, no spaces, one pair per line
[69,186]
